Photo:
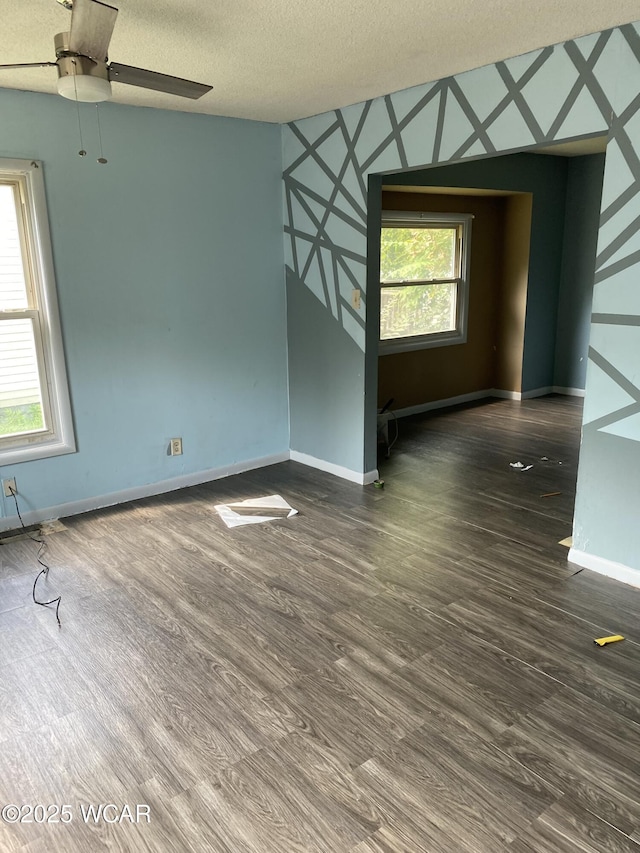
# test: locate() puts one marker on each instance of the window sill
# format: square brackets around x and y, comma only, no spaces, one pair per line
[36,450]
[445,339]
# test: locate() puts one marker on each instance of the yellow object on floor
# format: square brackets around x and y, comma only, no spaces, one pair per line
[603,641]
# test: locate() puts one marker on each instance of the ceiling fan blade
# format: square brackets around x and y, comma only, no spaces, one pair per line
[92,26]
[28,65]
[153,80]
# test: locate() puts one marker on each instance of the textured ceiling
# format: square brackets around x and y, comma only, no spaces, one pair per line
[278,60]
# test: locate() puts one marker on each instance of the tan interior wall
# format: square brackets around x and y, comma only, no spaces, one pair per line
[513,302]
[421,376]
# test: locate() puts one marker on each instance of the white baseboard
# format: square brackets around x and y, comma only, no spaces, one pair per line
[443,404]
[568,392]
[503,395]
[336,470]
[484,394]
[137,492]
[617,571]
[537,392]
[552,389]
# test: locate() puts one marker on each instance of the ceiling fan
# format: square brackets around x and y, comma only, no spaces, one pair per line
[84,70]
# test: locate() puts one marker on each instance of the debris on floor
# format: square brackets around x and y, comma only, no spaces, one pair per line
[45,528]
[604,641]
[551,494]
[568,542]
[546,459]
[52,526]
[520,466]
[255,511]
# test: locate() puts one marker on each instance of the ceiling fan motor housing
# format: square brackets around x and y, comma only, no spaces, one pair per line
[80,78]
[82,57]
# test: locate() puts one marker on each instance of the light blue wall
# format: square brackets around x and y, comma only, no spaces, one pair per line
[580,88]
[169,271]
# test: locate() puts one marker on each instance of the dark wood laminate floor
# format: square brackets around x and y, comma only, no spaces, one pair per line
[393,671]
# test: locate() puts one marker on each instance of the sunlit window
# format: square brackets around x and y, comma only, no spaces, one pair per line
[35,418]
[423,280]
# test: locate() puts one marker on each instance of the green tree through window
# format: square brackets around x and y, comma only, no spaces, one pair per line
[421,278]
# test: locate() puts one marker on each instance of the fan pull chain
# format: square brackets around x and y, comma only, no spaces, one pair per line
[101,158]
[82,151]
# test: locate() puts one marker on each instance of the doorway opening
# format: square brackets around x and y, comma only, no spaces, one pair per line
[532,258]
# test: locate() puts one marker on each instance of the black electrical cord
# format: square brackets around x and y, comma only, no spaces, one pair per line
[397,435]
[42,547]
[384,409]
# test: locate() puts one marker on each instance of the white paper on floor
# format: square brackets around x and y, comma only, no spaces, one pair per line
[520,466]
[255,511]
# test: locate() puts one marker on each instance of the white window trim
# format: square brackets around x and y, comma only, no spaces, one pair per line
[435,339]
[60,438]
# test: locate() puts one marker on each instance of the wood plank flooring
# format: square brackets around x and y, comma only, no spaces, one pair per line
[391,671]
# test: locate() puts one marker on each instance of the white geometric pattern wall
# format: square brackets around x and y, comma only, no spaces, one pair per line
[590,85]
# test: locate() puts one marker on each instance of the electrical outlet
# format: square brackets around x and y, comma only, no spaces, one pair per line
[355,298]
[9,487]
[175,447]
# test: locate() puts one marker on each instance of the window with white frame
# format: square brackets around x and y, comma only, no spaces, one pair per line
[424,279]
[35,415]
